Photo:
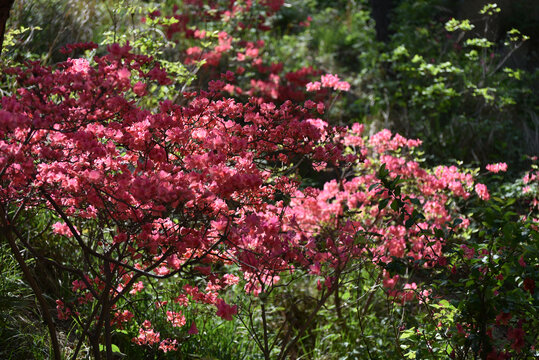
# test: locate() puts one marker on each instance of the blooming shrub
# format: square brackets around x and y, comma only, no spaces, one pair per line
[169,188]
[172,205]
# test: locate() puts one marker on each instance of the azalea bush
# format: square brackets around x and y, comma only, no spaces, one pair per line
[177,184]
[441,255]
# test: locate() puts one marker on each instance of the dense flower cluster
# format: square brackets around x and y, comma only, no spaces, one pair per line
[235,50]
[209,185]
[203,181]
[170,187]
[496,168]
[352,206]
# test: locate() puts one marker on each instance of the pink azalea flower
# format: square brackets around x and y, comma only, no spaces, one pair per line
[496,168]
[482,191]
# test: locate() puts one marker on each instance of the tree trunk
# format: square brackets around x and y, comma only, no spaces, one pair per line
[7,235]
[5,7]
[380,10]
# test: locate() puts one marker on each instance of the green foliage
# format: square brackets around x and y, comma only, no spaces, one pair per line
[451,89]
[59,21]
[216,338]
[492,282]
[22,335]
[447,81]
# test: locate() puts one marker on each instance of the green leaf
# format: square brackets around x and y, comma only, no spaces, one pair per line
[383,172]
[444,303]
[411,354]
[407,333]
[115,348]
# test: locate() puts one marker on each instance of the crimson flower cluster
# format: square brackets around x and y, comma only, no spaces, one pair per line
[168,188]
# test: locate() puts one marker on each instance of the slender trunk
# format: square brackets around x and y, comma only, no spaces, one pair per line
[103,323]
[106,314]
[338,309]
[85,333]
[6,231]
[94,344]
[265,328]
